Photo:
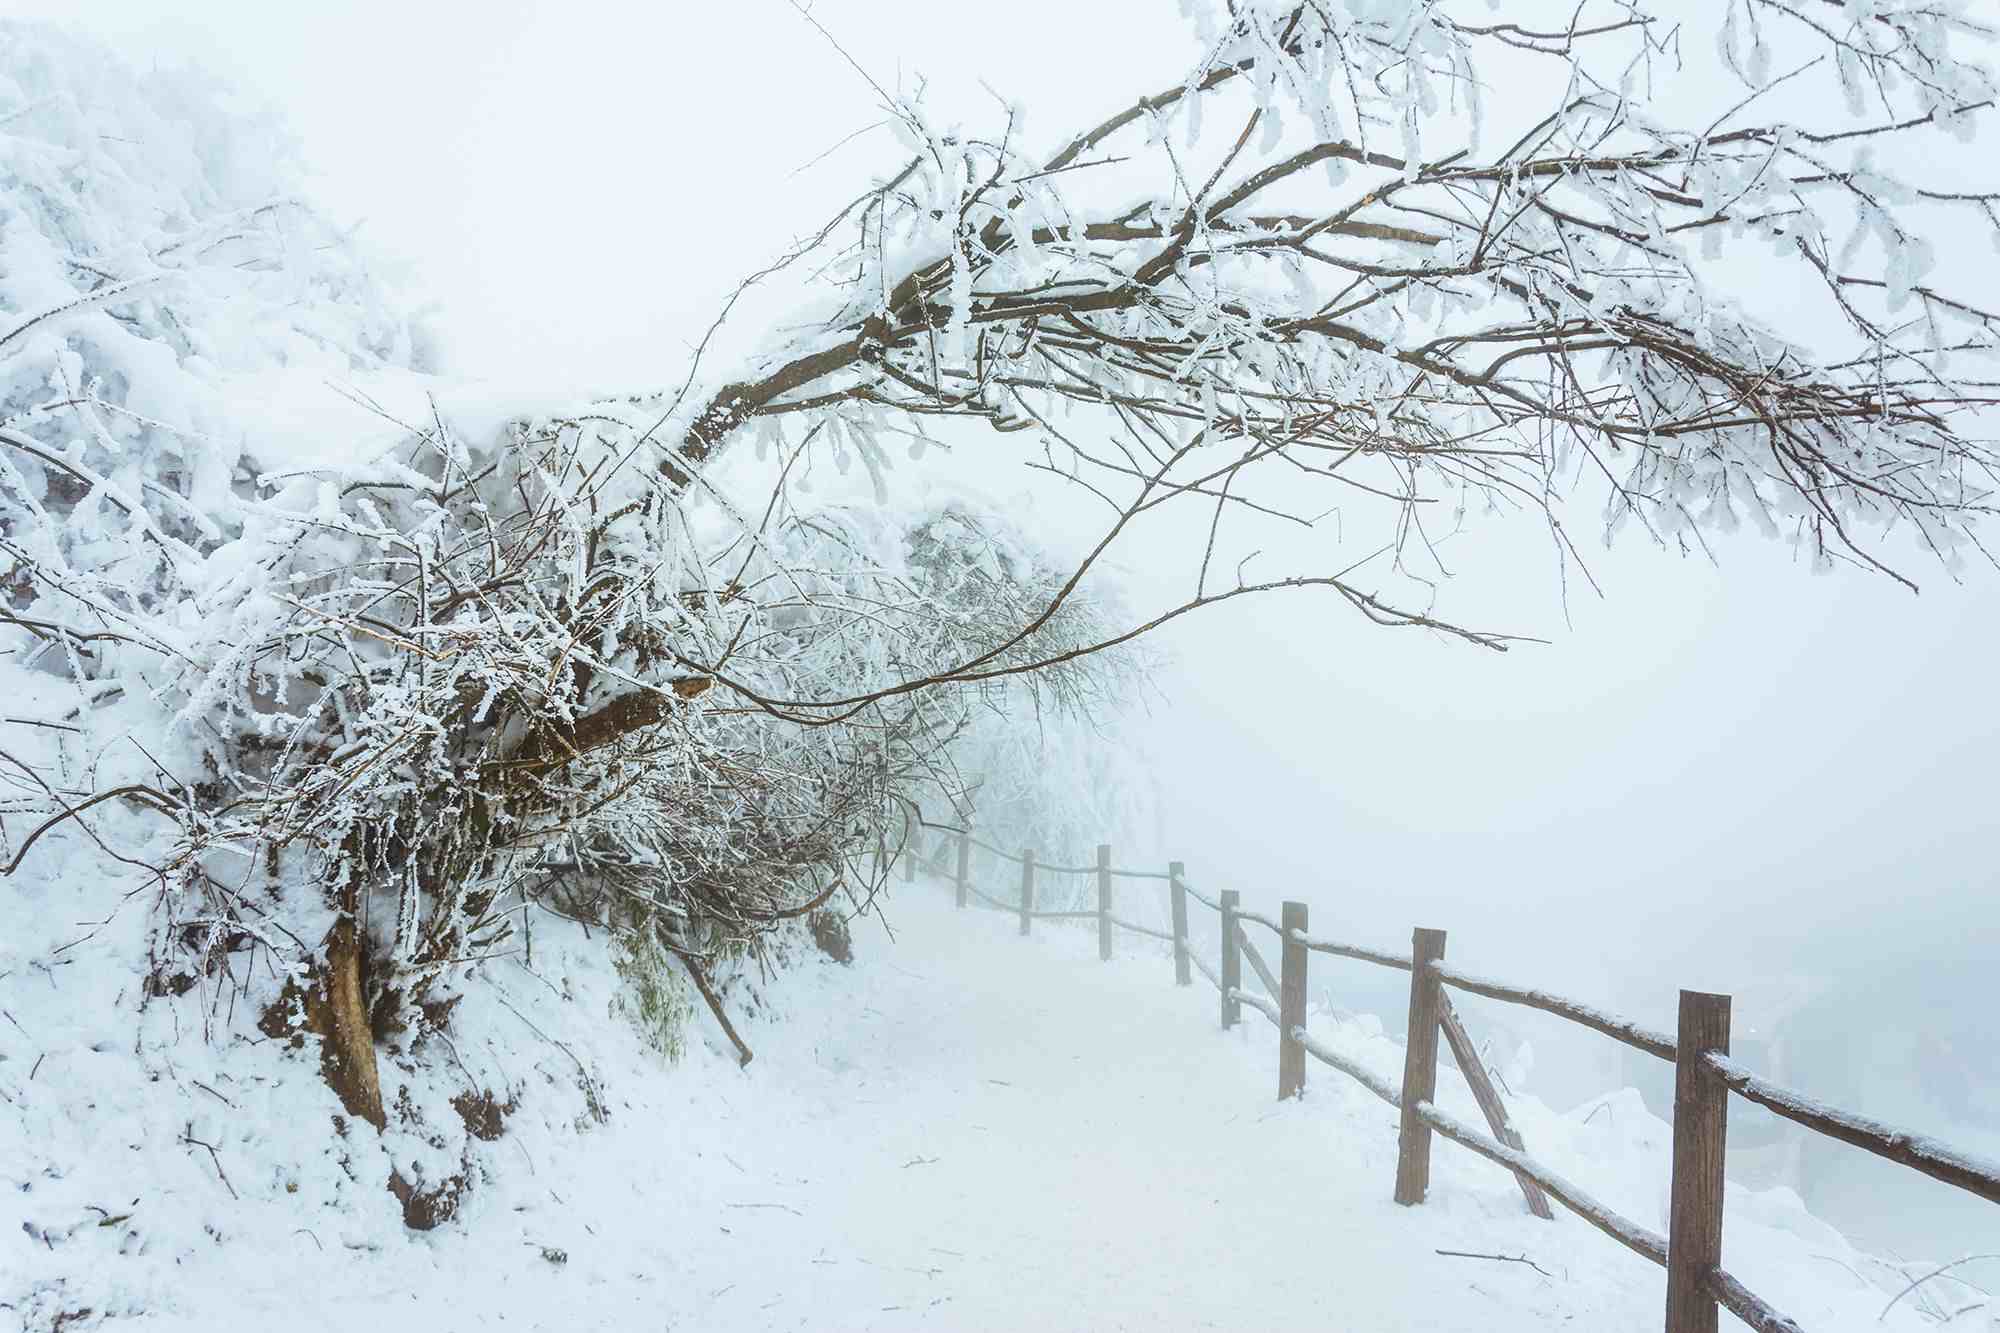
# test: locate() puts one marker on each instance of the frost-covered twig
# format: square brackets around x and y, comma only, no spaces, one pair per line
[1939,1271]
[1503,1258]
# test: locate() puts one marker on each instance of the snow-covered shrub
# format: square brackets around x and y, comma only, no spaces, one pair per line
[420,694]
[154,253]
[360,708]
[152,246]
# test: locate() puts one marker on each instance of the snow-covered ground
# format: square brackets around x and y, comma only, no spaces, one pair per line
[962,1130]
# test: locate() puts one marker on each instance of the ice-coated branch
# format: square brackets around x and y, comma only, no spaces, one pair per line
[1371,286]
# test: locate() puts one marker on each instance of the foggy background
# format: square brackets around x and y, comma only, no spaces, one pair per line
[1731,776]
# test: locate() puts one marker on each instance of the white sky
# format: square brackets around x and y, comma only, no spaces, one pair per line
[1722,772]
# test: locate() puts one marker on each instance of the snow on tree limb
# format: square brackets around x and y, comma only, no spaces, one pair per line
[1441,319]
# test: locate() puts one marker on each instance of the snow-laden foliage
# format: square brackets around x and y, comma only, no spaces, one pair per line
[1044,768]
[1055,783]
[154,246]
[345,712]
[420,694]
[1420,256]
[460,679]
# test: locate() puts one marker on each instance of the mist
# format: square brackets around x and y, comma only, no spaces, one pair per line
[1715,769]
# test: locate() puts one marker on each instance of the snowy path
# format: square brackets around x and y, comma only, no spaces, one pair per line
[965,1130]
[1008,1134]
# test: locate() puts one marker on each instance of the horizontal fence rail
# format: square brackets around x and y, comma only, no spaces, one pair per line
[1736,1298]
[1259,1003]
[1356,952]
[1199,896]
[1041,866]
[1640,1240]
[1138,929]
[1618,1029]
[1697,1284]
[1973,1174]
[991,901]
[972,841]
[1258,918]
[1367,1078]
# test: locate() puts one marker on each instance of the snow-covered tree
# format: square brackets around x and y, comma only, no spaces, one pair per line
[372,704]
[1408,256]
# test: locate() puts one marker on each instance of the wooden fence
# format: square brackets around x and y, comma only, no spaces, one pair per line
[1704,1075]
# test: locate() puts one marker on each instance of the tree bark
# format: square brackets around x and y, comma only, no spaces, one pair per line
[552,748]
[337,1011]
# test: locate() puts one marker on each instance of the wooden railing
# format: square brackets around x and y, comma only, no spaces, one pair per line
[1704,1075]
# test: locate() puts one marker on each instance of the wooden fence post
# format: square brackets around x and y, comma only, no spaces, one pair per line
[1232,961]
[1701,1126]
[1182,975]
[1292,958]
[1027,889]
[1104,901]
[1420,1058]
[964,865]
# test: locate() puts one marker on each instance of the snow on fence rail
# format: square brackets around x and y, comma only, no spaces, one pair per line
[1355,951]
[1704,1074]
[1920,1153]
[1618,1029]
[1138,929]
